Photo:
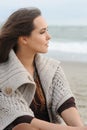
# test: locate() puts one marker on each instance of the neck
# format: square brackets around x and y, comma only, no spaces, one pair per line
[27,60]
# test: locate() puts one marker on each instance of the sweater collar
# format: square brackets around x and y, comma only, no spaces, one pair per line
[46,68]
[13,74]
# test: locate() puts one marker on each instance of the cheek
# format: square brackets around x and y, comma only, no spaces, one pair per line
[39,39]
[37,42]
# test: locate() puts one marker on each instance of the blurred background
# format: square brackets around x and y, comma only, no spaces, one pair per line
[67,24]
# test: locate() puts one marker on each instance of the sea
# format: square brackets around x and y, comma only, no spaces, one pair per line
[68,43]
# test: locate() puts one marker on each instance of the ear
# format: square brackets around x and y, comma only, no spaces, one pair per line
[22,40]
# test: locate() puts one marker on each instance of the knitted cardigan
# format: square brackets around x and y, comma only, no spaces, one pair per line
[17,88]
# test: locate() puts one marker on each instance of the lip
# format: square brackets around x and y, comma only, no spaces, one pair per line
[46,45]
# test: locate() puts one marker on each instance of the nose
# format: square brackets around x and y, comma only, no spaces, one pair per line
[48,36]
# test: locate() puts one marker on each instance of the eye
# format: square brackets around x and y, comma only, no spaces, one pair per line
[42,32]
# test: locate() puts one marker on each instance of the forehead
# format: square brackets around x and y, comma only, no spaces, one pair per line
[40,22]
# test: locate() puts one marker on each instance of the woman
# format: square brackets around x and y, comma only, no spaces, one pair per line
[33,88]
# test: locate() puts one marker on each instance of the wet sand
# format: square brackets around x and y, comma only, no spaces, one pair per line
[76,73]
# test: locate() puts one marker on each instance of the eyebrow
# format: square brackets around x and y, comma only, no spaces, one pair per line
[44,28]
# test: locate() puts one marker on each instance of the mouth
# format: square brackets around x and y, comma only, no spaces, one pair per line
[47,44]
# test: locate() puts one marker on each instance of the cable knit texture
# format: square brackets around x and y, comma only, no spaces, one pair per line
[17,88]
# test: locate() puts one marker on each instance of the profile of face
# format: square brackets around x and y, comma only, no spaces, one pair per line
[38,41]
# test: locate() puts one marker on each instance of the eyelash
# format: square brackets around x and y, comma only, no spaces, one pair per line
[44,31]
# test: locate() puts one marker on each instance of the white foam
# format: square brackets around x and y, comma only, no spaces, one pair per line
[70,47]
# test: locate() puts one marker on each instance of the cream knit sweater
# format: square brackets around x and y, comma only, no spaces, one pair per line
[17,88]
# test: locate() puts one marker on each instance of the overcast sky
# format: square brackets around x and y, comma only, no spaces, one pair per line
[56,12]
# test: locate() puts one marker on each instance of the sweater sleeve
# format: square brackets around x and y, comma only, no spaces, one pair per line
[19,120]
[12,107]
[67,104]
[61,89]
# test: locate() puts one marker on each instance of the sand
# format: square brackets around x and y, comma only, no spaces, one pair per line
[76,74]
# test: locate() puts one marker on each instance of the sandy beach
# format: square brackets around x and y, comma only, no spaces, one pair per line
[76,73]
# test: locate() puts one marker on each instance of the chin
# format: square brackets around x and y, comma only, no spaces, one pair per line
[43,52]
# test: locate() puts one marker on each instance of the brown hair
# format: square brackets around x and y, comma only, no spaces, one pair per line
[20,23]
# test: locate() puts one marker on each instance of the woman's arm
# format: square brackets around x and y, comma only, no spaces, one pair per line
[72,117]
[25,126]
[61,94]
[43,125]
[37,124]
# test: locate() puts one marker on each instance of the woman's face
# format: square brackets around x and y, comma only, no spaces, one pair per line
[39,38]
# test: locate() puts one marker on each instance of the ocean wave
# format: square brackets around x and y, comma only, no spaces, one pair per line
[69,47]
